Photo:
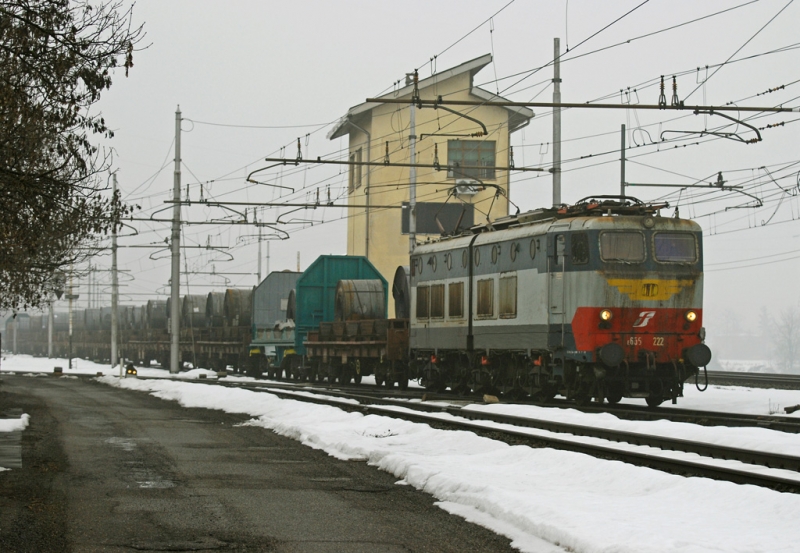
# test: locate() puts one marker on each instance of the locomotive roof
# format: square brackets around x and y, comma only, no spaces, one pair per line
[586,215]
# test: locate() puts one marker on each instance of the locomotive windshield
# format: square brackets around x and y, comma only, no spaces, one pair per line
[675,247]
[622,246]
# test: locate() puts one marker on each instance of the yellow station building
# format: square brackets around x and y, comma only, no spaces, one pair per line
[449,137]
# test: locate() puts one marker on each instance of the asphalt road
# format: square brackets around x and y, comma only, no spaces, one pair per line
[112,470]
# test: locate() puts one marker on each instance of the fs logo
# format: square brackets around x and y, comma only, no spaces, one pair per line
[649,290]
[644,318]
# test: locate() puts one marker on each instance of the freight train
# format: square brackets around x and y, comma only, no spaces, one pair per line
[599,300]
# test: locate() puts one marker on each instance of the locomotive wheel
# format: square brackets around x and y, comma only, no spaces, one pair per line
[378,379]
[403,383]
[357,378]
[614,393]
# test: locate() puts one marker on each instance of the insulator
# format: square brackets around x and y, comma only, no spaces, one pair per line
[662,99]
[511,157]
[299,151]
[386,156]
[675,100]
[436,156]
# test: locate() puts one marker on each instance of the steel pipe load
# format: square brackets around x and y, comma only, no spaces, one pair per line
[401,292]
[215,309]
[157,314]
[238,306]
[359,299]
[193,311]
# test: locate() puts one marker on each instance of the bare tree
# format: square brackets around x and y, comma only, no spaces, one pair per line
[785,338]
[56,58]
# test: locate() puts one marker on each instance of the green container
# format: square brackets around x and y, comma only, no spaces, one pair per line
[316,291]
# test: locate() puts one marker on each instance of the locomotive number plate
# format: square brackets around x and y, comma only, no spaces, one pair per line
[658,341]
[635,341]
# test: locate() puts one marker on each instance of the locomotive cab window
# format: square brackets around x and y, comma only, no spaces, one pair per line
[422,302]
[580,248]
[622,246]
[485,306]
[437,301]
[455,307]
[675,247]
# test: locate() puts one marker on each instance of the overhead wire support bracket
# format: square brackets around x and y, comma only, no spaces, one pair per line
[438,167]
[586,105]
[728,135]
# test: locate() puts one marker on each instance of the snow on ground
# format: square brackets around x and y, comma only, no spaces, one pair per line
[544,500]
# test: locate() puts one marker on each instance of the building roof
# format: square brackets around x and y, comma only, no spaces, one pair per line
[518,117]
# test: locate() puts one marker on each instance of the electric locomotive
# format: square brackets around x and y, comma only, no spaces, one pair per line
[599,300]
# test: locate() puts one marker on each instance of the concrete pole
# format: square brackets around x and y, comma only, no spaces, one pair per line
[255,218]
[114,286]
[175,288]
[556,122]
[622,163]
[412,179]
[71,299]
[50,328]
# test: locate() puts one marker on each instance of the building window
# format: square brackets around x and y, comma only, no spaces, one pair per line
[422,302]
[437,301]
[355,170]
[477,154]
[485,298]
[455,309]
[508,297]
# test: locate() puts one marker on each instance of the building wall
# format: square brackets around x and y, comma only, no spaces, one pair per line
[388,186]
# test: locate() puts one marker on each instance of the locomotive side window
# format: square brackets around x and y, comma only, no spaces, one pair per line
[455,309]
[675,247]
[485,298]
[622,246]
[580,248]
[437,301]
[464,256]
[422,302]
[534,247]
[508,297]
[477,255]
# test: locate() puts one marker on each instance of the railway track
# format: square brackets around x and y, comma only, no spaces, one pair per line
[675,455]
[757,380]
[632,447]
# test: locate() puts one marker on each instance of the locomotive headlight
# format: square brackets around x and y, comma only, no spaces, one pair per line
[691,316]
[605,315]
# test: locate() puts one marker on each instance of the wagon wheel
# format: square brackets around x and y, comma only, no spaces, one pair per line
[654,401]
[402,383]
[656,396]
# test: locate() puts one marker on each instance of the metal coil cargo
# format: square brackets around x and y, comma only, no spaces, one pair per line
[157,314]
[238,306]
[291,305]
[193,311]
[359,299]
[215,305]
[92,319]
[401,292]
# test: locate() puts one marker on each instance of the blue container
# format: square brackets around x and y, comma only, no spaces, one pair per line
[316,291]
